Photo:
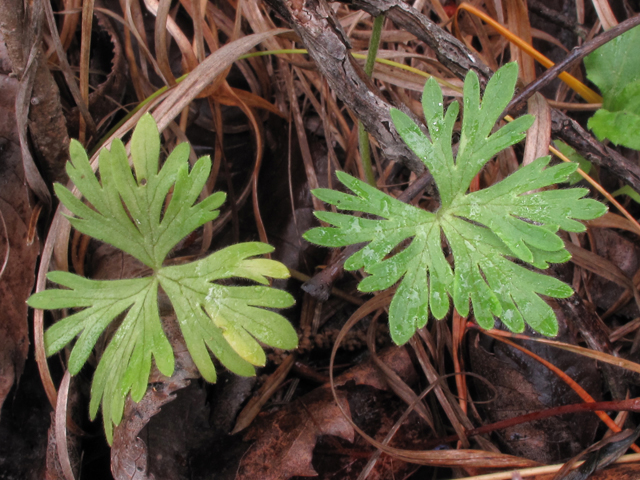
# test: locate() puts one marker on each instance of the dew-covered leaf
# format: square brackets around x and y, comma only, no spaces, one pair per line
[517,218]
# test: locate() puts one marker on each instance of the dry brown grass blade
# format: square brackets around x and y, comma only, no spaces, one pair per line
[32,228]
[374,458]
[307,159]
[261,22]
[408,80]
[258,136]
[395,382]
[518,23]
[439,9]
[175,31]
[489,51]
[57,224]
[457,30]
[541,35]
[624,298]
[70,22]
[255,404]
[539,135]
[61,427]
[216,115]
[332,108]
[77,258]
[197,16]
[605,14]
[23,100]
[7,252]
[135,24]
[451,408]
[459,325]
[575,107]
[236,97]
[586,352]
[61,248]
[85,53]
[183,42]
[600,266]
[613,220]
[624,330]
[163,23]
[64,64]
[331,131]
[545,470]
[134,71]
[453,458]
[220,86]
[205,73]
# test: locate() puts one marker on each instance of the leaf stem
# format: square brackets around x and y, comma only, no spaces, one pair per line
[580,88]
[363,136]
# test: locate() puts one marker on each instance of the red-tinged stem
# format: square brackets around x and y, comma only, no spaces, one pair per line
[631,405]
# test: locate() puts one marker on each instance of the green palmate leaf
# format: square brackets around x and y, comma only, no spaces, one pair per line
[129,212]
[485,230]
[615,69]
[224,318]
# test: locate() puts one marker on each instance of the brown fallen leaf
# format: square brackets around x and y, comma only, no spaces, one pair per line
[523,385]
[17,259]
[286,439]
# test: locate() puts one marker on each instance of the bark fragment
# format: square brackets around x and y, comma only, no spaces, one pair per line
[17,256]
[21,28]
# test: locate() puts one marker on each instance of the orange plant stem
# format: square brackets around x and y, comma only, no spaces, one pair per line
[568,380]
[580,88]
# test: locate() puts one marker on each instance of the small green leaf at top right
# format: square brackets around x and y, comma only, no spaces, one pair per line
[615,69]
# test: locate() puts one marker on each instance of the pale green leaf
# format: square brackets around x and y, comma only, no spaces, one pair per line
[134,214]
[228,313]
[141,230]
[126,363]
